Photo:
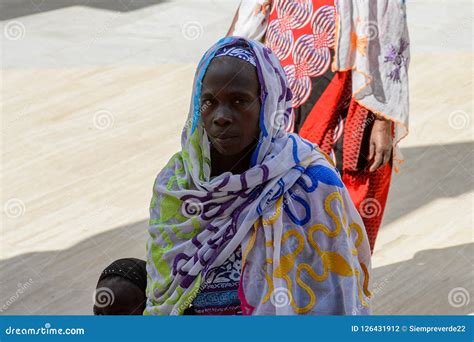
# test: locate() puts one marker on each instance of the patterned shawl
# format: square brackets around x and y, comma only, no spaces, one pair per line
[304,247]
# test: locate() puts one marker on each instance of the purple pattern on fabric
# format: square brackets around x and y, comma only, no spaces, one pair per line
[263,97]
[266,172]
[222,207]
[396,57]
[196,242]
[243,181]
[280,77]
[224,182]
[177,259]
[210,227]
[187,281]
[212,242]
[231,230]
[238,52]
[239,193]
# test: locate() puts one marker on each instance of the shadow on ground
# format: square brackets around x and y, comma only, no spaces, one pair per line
[62,282]
[10,9]
[433,282]
[429,173]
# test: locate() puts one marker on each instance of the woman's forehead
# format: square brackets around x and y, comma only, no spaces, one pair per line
[230,62]
[229,73]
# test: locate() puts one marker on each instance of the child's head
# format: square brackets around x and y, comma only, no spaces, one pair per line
[121,288]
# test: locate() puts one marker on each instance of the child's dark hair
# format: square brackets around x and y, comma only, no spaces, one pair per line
[121,288]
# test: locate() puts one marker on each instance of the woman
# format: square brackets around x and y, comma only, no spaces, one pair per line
[357,111]
[248,218]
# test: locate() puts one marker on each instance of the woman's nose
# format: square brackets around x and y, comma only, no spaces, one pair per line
[222,118]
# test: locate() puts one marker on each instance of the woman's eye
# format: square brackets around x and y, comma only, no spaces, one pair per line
[239,101]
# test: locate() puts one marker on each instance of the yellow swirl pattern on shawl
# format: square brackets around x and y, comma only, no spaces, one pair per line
[331,261]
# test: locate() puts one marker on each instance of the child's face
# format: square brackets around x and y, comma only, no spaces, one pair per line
[119,296]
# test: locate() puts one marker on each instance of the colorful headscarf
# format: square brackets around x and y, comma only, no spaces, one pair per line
[240,52]
[304,247]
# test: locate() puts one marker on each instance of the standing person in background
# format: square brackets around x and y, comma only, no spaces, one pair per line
[346,63]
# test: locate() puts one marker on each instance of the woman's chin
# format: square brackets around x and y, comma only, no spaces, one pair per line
[228,149]
[228,152]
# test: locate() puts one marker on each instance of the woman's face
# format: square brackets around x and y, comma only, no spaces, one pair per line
[230,105]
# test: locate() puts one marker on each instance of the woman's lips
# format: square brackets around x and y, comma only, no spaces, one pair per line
[225,143]
[224,140]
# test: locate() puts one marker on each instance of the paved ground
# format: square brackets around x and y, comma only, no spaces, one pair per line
[93,100]
[10,9]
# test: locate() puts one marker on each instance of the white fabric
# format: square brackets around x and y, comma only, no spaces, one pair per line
[373,40]
[252,20]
